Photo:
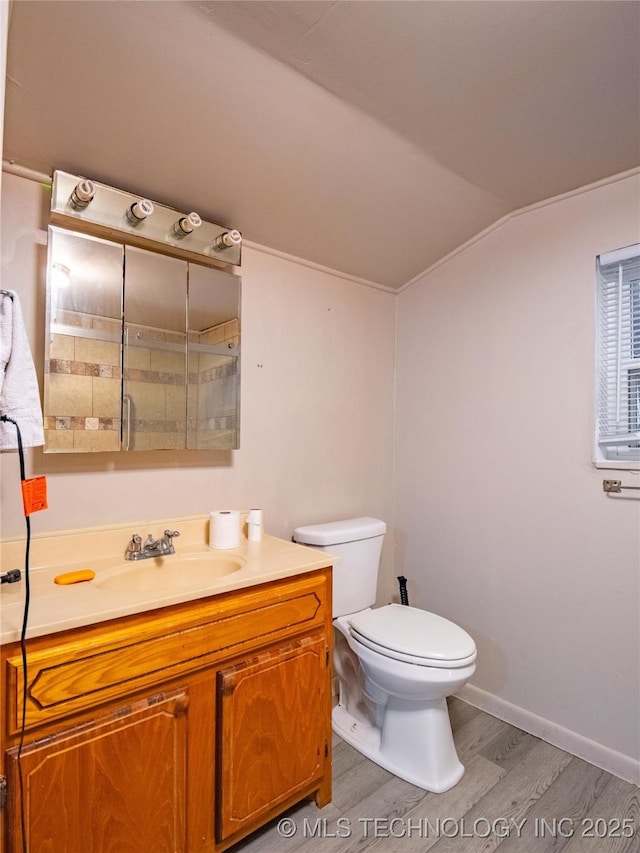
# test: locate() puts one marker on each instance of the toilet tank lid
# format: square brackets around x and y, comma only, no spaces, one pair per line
[338,532]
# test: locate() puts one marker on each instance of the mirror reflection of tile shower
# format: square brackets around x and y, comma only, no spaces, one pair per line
[82,383]
[154,352]
[143,350]
[213,397]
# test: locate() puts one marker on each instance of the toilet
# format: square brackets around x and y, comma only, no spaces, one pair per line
[395,664]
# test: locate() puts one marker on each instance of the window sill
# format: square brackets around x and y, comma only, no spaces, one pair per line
[616,466]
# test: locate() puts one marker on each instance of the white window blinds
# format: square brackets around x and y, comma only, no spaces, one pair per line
[618,356]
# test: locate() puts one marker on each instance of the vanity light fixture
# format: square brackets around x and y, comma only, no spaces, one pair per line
[141,222]
[227,240]
[186,224]
[82,194]
[139,211]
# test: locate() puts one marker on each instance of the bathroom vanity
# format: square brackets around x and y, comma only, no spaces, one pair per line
[183,727]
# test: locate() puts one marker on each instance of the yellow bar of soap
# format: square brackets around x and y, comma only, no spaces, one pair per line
[75,577]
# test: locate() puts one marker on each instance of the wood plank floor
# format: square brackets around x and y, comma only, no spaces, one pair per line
[519,794]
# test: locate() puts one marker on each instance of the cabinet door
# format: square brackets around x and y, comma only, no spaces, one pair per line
[272,711]
[83,343]
[213,391]
[154,402]
[112,785]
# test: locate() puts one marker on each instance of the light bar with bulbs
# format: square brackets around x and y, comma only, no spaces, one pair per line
[83,204]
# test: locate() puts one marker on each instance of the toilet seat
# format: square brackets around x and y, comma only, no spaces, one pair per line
[414,636]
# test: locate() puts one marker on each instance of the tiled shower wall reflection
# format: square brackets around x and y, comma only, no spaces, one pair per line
[154,380]
[83,385]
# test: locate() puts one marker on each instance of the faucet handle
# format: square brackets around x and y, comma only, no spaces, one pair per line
[171,534]
[133,548]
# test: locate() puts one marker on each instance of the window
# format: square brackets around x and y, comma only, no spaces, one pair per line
[618,358]
[635,318]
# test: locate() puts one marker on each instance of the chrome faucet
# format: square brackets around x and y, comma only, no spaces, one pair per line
[152,547]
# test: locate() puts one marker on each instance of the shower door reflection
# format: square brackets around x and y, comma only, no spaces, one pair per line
[213,391]
[154,354]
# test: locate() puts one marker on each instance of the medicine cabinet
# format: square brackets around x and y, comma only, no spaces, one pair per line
[142,344]
[142,349]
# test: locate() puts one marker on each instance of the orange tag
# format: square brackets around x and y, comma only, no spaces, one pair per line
[34,494]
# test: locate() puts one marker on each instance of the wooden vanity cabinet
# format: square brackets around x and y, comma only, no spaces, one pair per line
[178,730]
[271,732]
[102,785]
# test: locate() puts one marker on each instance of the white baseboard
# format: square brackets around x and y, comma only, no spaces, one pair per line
[595,753]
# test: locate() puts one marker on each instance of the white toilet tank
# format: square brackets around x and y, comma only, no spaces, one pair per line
[358,543]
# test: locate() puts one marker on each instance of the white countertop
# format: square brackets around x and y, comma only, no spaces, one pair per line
[56,607]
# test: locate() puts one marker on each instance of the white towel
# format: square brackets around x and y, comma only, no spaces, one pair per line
[19,394]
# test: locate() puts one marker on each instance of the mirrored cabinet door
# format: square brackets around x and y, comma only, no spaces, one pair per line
[143,350]
[213,345]
[154,407]
[82,379]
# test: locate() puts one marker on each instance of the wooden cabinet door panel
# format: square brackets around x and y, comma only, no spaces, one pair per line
[271,732]
[106,787]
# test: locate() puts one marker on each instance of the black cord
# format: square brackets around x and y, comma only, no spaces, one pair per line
[404,596]
[23,634]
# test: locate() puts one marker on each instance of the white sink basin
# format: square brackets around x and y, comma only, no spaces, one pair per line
[168,573]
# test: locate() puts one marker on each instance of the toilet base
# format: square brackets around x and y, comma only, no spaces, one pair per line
[429,761]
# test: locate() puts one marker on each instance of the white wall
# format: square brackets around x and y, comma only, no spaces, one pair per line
[501,521]
[316,417]
[4,33]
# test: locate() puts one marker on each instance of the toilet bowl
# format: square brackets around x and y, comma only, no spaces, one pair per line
[396,665]
[403,721]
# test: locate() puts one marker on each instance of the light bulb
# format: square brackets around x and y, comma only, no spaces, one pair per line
[82,194]
[139,211]
[185,225]
[60,276]
[226,240]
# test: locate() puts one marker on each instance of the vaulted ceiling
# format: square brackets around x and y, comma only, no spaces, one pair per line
[370,137]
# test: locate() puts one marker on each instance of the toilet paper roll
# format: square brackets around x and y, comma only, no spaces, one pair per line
[254,525]
[224,529]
